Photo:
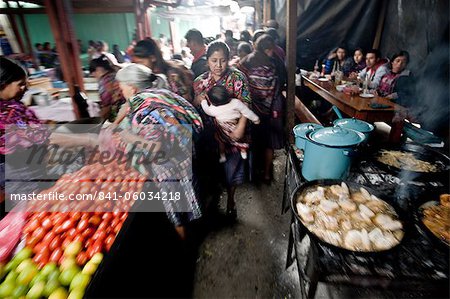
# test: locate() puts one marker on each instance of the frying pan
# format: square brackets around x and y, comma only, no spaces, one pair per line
[424,229]
[352,186]
[421,152]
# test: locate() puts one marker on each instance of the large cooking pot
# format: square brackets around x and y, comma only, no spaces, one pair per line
[355,124]
[353,187]
[329,152]
[300,132]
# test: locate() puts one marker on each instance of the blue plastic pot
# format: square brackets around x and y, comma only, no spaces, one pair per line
[355,124]
[329,152]
[300,132]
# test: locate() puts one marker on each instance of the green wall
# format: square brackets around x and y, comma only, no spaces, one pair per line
[117,28]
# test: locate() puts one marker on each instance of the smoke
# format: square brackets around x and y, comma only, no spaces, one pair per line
[431,103]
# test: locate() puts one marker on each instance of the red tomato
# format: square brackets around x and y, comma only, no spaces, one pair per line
[38,234]
[85,216]
[118,227]
[82,258]
[88,232]
[41,257]
[82,225]
[75,216]
[107,216]
[123,216]
[47,223]
[58,219]
[65,226]
[104,225]
[41,215]
[79,237]
[56,255]
[31,226]
[55,243]
[71,233]
[99,235]
[48,237]
[115,222]
[39,247]
[109,241]
[66,242]
[95,220]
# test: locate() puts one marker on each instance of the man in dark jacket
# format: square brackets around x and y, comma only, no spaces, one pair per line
[194,39]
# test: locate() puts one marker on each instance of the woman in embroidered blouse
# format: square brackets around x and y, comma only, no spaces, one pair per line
[235,82]
[158,116]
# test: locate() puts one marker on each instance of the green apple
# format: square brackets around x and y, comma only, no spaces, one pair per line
[80,281]
[25,264]
[67,275]
[54,275]
[59,293]
[36,290]
[39,277]
[19,291]
[73,249]
[89,268]
[67,263]
[50,287]
[24,254]
[27,275]
[48,268]
[7,288]
[97,258]
[76,294]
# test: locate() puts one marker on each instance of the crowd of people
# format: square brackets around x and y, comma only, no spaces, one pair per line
[230,95]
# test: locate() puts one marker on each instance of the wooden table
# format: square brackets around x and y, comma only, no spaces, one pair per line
[358,107]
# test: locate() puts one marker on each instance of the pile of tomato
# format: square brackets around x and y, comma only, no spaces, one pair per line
[49,233]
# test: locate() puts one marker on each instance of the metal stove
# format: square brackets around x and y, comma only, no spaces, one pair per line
[417,263]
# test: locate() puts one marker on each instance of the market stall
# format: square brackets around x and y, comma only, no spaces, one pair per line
[417,265]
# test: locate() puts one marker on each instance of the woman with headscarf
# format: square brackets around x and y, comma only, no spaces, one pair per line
[265,89]
[160,117]
[20,129]
[179,78]
[108,88]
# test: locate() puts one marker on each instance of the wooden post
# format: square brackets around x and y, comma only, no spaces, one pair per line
[58,13]
[267,11]
[12,21]
[27,38]
[138,16]
[291,49]
[381,18]
[258,16]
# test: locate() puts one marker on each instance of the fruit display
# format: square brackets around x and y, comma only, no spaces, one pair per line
[54,235]
[64,249]
[109,187]
[24,279]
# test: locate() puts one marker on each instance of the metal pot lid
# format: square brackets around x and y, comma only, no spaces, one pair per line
[337,136]
[301,130]
[354,124]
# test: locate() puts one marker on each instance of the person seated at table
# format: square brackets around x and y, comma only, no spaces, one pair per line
[108,88]
[376,68]
[398,64]
[339,58]
[357,64]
